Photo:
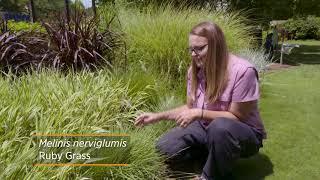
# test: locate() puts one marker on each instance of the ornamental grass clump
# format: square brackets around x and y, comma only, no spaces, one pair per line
[76,45]
[21,51]
[157,38]
[257,57]
[83,102]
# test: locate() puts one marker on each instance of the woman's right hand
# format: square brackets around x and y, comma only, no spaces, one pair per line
[146,118]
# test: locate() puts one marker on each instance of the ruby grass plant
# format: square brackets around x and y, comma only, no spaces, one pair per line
[84,102]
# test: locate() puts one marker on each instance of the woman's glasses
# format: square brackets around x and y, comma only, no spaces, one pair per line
[196,49]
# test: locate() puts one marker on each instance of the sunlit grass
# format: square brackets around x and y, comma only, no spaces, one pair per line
[289,108]
[157,38]
[51,102]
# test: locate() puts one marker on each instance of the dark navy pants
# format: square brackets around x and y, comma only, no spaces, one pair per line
[220,143]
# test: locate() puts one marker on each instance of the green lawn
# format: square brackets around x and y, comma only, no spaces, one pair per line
[307,53]
[290,107]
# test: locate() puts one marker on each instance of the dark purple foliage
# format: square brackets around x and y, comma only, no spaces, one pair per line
[72,45]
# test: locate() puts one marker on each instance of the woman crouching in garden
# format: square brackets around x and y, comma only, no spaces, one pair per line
[221,117]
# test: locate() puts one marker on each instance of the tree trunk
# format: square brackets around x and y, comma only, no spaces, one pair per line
[94,8]
[32,11]
[67,10]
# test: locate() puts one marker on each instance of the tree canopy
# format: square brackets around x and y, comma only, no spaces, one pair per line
[258,10]
[13,5]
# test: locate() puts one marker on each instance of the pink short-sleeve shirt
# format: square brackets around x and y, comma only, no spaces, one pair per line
[242,86]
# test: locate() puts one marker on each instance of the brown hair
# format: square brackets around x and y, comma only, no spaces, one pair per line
[216,62]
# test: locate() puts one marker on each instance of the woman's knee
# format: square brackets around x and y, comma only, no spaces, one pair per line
[178,140]
[170,144]
[161,145]
[220,124]
[219,128]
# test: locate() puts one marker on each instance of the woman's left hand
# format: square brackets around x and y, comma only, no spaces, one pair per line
[186,117]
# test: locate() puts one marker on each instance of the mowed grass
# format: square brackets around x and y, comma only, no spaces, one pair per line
[307,53]
[290,107]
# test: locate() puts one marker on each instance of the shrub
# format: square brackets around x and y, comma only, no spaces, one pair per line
[15,27]
[304,28]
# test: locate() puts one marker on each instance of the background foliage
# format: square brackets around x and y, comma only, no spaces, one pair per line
[304,28]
